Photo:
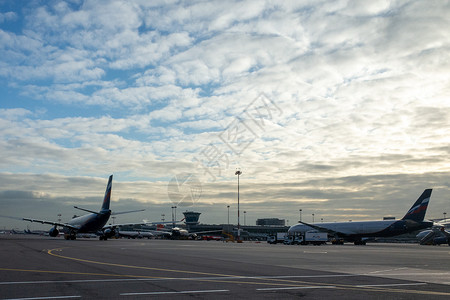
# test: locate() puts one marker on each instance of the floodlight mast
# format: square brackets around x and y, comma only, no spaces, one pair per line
[228,207]
[238,173]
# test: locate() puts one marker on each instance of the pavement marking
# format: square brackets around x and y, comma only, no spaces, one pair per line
[169,293]
[130,266]
[282,280]
[299,287]
[149,278]
[391,284]
[37,298]
[287,284]
[390,270]
[78,273]
[409,274]
[223,277]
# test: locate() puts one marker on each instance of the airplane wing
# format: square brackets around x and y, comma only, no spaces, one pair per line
[443,222]
[323,229]
[209,231]
[159,233]
[144,222]
[43,222]
[126,212]
[112,214]
[51,223]
[135,234]
[123,224]
[147,222]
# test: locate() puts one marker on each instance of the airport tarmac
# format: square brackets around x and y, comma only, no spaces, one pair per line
[37,267]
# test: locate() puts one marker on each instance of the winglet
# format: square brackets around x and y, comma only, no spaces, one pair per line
[107,198]
[419,208]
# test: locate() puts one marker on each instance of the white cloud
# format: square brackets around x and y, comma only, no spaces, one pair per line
[8,16]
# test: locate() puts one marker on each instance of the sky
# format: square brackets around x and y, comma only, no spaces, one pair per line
[339,109]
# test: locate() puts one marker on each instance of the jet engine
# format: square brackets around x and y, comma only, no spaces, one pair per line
[53,232]
[109,232]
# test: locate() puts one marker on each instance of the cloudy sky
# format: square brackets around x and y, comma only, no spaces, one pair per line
[338,108]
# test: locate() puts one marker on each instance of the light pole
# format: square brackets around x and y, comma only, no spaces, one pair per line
[238,173]
[228,218]
[245,213]
[300,215]
[444,216]
[174,216]
[313,218]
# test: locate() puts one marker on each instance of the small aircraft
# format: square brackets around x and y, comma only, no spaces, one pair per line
[437,235]
[359,232]
[94,222]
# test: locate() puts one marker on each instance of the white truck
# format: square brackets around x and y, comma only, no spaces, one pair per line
[292,240]
[314,237]
[277,238]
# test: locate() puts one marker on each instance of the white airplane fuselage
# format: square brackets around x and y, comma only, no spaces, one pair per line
[356,231]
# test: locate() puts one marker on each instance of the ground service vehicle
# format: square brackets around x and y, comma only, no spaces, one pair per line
[315,238]
[277,238]
[292,240]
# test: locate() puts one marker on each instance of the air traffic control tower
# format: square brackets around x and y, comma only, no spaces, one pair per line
[191,218]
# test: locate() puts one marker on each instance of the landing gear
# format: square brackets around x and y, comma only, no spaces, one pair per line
[70,236]
[102,238]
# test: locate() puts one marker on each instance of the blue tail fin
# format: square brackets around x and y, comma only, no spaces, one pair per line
[419,208]
[106,200]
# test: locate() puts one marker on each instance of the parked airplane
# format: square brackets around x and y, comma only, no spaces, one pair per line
[90,223]
[358,232]
[437,235]
[177,233]
[135,234]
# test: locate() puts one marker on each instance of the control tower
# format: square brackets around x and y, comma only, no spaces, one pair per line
[191,218]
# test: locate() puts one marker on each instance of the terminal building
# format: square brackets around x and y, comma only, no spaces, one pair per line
[270,222]
[191,218]
[264,227]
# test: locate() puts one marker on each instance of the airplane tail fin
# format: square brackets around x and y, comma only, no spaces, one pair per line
[106,200]
[419,208]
